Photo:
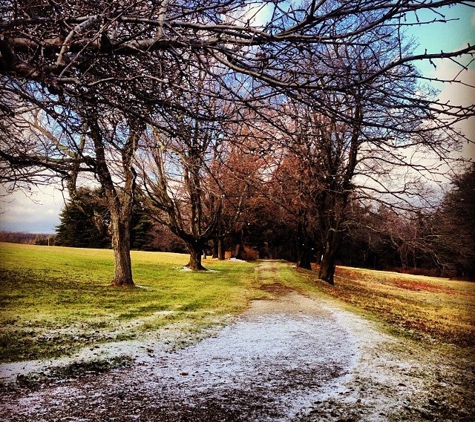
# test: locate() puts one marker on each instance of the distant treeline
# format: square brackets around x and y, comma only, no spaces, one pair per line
[27,238]
[435,242]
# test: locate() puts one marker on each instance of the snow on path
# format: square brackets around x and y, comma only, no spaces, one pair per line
[288,359]
[275,360]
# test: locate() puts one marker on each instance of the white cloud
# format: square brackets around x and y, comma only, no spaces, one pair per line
[462,94]
[259,14]
[37,212]
[254,13]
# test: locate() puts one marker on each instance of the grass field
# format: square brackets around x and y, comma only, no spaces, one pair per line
[55,300]
[431,309]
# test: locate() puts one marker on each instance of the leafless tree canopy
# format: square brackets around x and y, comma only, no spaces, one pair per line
[90,86]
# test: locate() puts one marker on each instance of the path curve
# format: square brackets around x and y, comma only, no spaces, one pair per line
[288,359]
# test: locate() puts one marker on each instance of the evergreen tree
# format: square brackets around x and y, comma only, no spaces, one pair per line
[84,222]
[454,228]
[140,236]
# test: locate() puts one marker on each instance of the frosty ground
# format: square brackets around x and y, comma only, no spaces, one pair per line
[292,358]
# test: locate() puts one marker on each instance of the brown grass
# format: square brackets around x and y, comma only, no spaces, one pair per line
[427,308]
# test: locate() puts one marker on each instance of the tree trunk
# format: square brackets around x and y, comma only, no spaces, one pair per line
[304,244]
[327,269]
[121,245]
[236,251]
[119,201]
[236,244]
[218,248]
[195,251]
[304,247]
[328,263]
[305,257]
[221,249]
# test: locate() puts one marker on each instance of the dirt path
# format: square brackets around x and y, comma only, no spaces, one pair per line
[291,358]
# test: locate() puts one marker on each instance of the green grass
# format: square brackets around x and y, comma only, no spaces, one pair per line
[55,300]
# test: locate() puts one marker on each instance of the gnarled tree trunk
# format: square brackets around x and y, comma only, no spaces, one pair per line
[120,200]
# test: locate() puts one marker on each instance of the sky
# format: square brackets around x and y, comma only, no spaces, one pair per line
[449,37]
[38,212]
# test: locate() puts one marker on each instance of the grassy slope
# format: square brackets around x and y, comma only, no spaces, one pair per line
[54,300]
[424,308]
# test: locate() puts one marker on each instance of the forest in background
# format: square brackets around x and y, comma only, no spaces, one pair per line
[436,243]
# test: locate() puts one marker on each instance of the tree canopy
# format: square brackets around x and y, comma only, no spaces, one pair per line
[143,96]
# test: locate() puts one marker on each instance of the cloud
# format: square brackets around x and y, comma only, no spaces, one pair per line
[37,212]
[259,14]
[461,93]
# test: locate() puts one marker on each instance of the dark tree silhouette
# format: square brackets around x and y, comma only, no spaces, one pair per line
[454,228]
[84,221]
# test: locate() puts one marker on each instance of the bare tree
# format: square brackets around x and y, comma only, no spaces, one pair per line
[356,140]
[177,156]
[52,42]
[296,179]
[119,193]
[94,141]
[242,176]
[81,62]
